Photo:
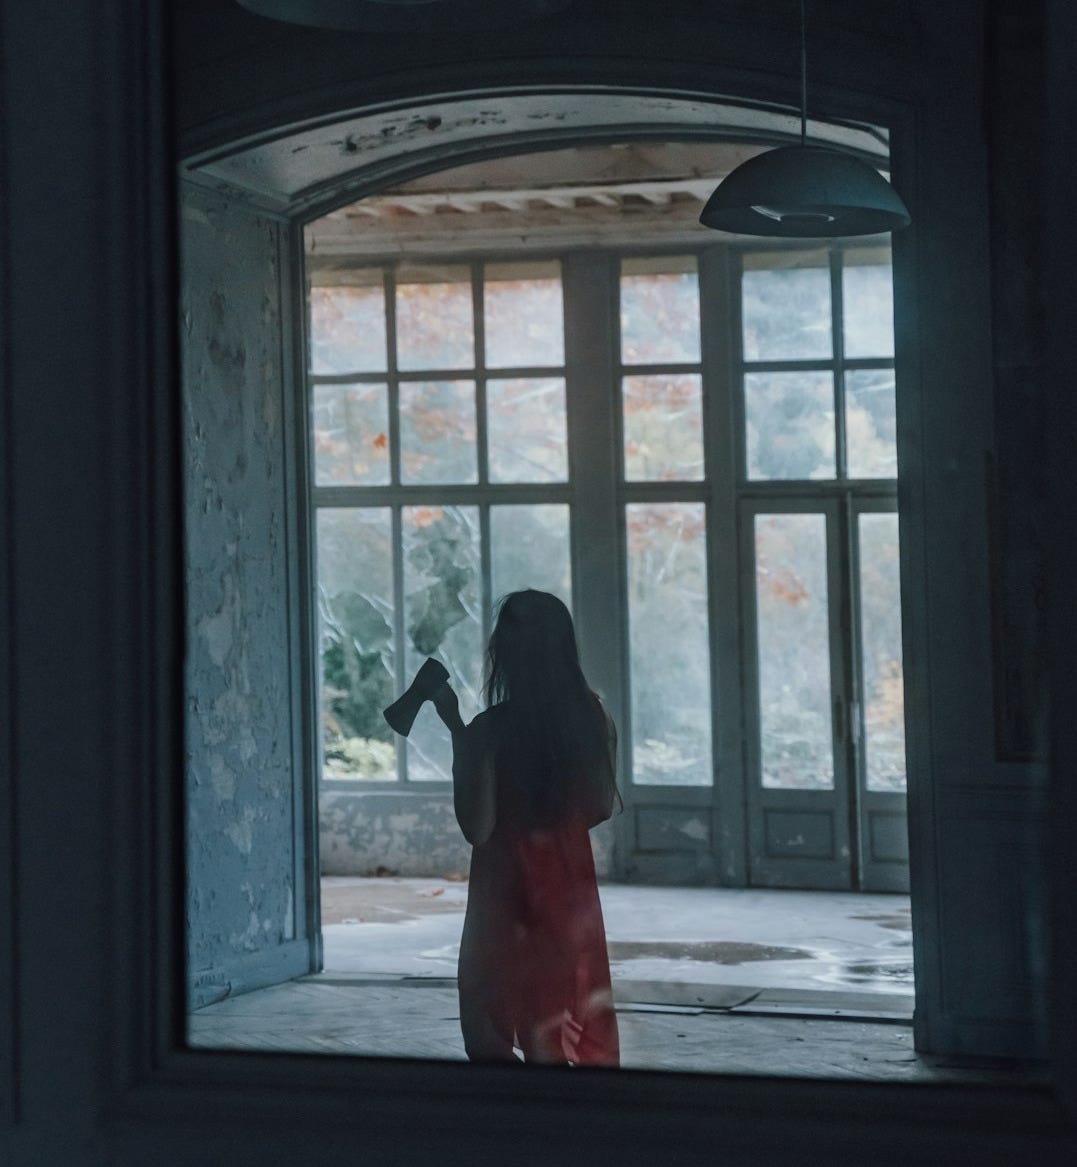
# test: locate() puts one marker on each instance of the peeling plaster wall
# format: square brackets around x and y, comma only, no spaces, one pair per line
[407,834]
[242,860]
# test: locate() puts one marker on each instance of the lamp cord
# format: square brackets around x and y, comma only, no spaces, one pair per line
[803,77]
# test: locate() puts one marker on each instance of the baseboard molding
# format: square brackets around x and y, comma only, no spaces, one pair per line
[252,970]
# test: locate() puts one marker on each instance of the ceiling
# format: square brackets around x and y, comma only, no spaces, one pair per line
[556,198]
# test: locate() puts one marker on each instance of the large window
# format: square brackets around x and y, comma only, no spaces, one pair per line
[663,474]
[440,481]
[750,395]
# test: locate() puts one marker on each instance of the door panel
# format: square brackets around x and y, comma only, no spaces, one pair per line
[674,844]
[673,836]
[798,774]
[881,812]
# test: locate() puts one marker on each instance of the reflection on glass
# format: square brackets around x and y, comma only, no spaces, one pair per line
[443,619]
[870,424]
[786,306]
[529,548]
[437,432]
[789,423]
[524,315]
[433,319]
[796,748]
[355,607]
[880,634]
[351,435]
[347,329]
[659,310]
[868,304]
[525,430]
[669,657]
[663,427]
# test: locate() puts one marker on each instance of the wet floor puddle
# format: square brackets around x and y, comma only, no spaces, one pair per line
[901,921]
[713,951]
[863,972]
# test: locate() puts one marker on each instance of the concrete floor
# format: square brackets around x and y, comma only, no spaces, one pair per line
[826,949]
[807,984]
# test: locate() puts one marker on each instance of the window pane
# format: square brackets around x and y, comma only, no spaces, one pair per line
[668,644]
[355,606]
[868,303]
[525,427]
[433,319]
[659,310]
[442,613]
[529,548]
[524,315]
[663,427]
[437,431]
[789,419]
[351,435]
[796,748]
[347,329]
[786,306]
[870,424]
[880,631]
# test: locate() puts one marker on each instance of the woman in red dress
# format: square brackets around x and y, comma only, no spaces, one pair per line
[531,775]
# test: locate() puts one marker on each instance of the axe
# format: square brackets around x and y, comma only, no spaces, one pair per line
[403,711]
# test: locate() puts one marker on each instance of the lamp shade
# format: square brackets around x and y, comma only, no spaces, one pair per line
[804,191]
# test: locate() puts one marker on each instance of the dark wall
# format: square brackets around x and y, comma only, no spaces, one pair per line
[91,1072]
[1060,417]
[967,425]
[238,73]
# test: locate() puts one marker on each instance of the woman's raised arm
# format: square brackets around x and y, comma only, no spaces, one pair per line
[473,785]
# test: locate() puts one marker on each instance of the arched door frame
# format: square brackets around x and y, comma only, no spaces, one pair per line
[380,141]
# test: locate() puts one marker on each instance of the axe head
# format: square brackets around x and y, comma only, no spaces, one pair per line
[403,711]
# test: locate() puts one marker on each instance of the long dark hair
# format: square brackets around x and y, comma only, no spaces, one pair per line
[554,742]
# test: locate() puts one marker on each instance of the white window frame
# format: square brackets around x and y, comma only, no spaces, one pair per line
[592,357]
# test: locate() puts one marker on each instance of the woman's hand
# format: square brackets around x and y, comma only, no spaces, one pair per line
[447,705]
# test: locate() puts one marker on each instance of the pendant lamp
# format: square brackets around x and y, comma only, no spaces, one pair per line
[804,191]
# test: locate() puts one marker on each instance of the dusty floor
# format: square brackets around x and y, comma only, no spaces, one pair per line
[828,951]
[806,984]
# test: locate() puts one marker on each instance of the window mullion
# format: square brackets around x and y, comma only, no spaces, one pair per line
[719,323]
[837,332]
[591,399]
[392,378]
[396,515]
[486,587]
[854,665]
[478,316]
[398,632]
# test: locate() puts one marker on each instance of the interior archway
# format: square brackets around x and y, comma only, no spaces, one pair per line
[253,196]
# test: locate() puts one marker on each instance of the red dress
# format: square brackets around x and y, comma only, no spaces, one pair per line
[533,968]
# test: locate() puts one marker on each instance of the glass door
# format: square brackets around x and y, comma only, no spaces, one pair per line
[800,772]
[820,597]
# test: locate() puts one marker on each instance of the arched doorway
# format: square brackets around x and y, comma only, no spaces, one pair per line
[257,193]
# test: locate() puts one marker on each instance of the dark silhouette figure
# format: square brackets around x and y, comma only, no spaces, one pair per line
[531,775]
